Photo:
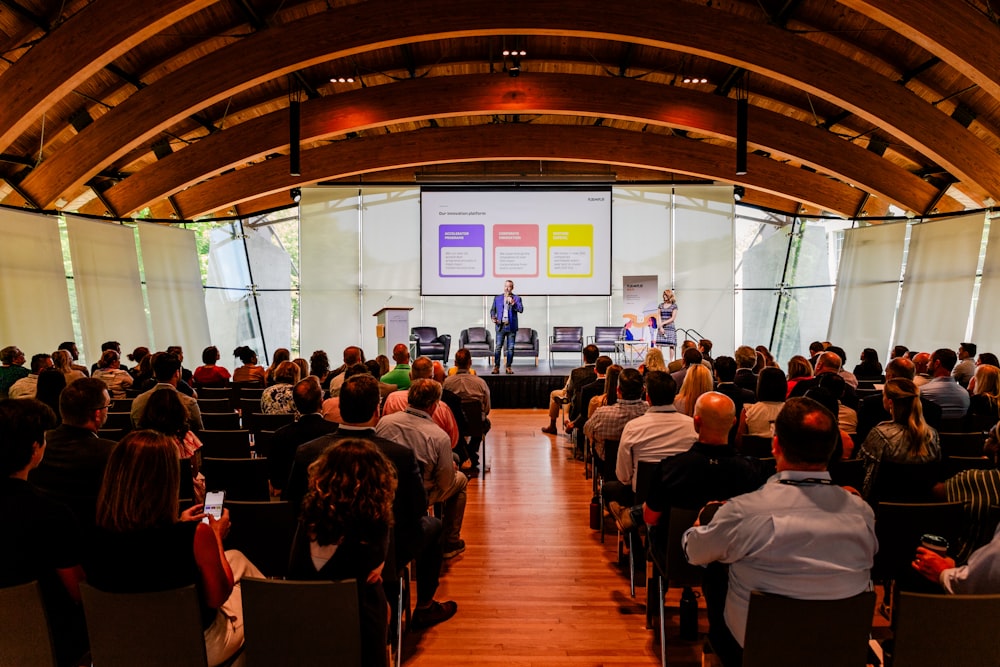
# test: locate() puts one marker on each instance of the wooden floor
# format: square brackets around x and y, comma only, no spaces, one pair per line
[535,585]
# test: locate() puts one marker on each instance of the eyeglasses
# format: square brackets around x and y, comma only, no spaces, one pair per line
[110,405]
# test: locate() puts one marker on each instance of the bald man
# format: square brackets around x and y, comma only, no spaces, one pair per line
[400,374]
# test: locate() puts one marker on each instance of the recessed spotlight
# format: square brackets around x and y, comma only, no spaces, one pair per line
[342,79]
[506,52]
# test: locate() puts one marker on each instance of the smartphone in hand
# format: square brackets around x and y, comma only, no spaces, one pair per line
[213,504]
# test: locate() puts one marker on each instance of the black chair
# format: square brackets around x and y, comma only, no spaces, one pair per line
[248,391]
[263,531]
[122,404]
[956,464]
[160,629]
[220,421]
[241,479]
[670,565]
[262,443]
[843,641]
[258,421]
[606,339]
[118,420]
[225,444]
[478,341]
[565,339]
[643,480]
[962,444]
[396,578]
[935,630]
[115,434]
[26,639]
[301,622]
[186,491]
[757,446]
[526,344]
[214,393]
[603,473]
[214,404]
[475,429]
[248,406]
[904,482]
[430,344]
[848,473]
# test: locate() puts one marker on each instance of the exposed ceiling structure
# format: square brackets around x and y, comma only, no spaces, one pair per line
[181,108]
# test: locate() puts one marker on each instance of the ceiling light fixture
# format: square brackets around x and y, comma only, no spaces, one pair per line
[739,192]
[694,79]
[342,79]
[296,194]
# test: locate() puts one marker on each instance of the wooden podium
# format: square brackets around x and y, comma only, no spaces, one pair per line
[392,327]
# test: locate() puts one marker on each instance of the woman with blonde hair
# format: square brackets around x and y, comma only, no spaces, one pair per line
[653,362]
[985,394]
[907,438]
[799,369]
[140,545]
[697,381]
[63,362]
[109,371]
[667,335]
[344,532]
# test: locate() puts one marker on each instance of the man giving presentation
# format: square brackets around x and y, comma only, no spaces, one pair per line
[504,312]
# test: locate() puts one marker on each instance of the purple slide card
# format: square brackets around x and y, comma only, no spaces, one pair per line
[462,251]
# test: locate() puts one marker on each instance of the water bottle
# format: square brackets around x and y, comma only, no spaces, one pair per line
[689,615]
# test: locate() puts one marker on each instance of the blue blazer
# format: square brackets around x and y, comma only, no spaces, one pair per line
[496,311]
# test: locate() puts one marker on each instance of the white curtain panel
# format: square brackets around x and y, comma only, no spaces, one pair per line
[986,327]
[108,289]
[703,264]
[34,299]
[174,290]
[867,287]
[330,316]
[937,287]
[640,243]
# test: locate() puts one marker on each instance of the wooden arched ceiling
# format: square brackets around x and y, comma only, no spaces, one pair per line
[854,106]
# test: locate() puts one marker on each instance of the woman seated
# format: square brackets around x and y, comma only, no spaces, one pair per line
[277,399]
[653,362]
[319,365]
[610,395]
[280,355]
[166,414]
[985,395]
[109,371]
[905,439]
[141,546]
[249,373]
[209,374]
[869,370]
[799,369]
[63,362]
[757,419]
[697,381]
[344,532]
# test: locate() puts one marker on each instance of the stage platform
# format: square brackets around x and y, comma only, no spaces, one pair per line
[528,387]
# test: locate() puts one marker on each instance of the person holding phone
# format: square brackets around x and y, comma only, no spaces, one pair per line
[504,312]
[142,544]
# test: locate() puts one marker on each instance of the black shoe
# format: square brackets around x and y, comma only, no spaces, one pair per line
[453,549]
[471,472]
[496,370]
[438,612]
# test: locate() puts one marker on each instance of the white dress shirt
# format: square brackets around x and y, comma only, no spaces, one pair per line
[659,433]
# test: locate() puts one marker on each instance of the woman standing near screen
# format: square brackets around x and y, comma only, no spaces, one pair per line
[668,313]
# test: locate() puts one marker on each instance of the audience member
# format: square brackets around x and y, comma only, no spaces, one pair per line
[678,364]
[653,361]
[697,381]
[141,546]
[905,439]
[828,362]
[869,370]
[107,345]
[26,386]
[609,393]
[352,355]
[75,455]
[746,359]
[143,369]
[966,366]
[249,373]
[578,377]
[942,387]
[331,406]
[277,398]
[980,576]
[210,374]
[580,408]
[816,348]
[608,422]
[847,418]
[400,374]
[921,364]
[11,368]
[978,490]
[799,369]
[344,532]
[280,355]
[443,416]
[418,536]
[178,352]
[308,397]
[137,355]
[43,538]
[690,358]
[470,387]
[757,419]
[660,432]
[74,353]
[872,411]
[985,394]
[799,535]
[167,372]
[110,373]
[319,366]
[166,414]
[375,369]
[848,376]
[415,428]
[899,351]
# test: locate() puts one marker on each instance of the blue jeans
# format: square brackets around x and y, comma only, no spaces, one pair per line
[505,338]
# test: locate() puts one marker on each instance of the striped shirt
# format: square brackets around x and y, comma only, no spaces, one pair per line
[979,489]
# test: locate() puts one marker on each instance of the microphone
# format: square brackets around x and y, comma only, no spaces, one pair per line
[387,301]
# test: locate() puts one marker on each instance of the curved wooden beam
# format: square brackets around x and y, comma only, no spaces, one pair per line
[955,32]
[383,23]
[610,97]
[73,52]
[517,141]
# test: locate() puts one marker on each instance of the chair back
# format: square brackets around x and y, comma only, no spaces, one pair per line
[225,444]
[425,334]
[566,339]
[677,571]
[606,337]
[118,420]
[956,464]
[478,335]
[115,434]
[26,639]
[757,446]
[644,479]
[962,444]
[899,526]
[296,622]
[263,531]
[248,406]
[905,482]
[220,421]
[525,336]
[946,630]
[160,629]
[262,443]
[848,473]
[473,411]
[818,633]
[241,479]
[610,460]
[187,481]
[214,404]
[123,404]
[258,421]
[215,393]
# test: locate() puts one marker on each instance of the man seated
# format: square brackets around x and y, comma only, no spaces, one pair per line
[11,368]
[942,388]
[444,483]
[468,386]
[799,535]
[871,410]
[660,432]
[828,362]
[965,369]
[308,398]
[27,385]
[608,421]
[400,374]
[577,378]
[980,576]
[352,355]
[167,372]
[42,539]
[397,401]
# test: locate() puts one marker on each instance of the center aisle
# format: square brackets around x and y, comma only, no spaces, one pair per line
[535,585]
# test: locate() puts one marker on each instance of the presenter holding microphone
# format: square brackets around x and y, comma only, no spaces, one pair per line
[504,312]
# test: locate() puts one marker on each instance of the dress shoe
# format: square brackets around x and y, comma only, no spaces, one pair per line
[623,517]
[510,371]
[495,371]
[551,430]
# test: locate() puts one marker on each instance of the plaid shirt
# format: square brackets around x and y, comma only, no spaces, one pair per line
[608,421]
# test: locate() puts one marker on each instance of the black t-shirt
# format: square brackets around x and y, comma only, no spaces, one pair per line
[702,474]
